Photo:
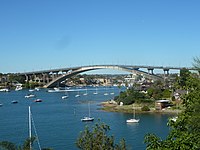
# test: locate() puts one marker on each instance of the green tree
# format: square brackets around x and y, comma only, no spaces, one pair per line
[97,139]
[6,145]
[184,133]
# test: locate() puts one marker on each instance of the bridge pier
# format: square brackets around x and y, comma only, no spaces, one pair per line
[166,70]
[150,70]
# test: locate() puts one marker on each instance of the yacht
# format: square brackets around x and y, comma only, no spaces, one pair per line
[85,119]
[18,88]
[133,120]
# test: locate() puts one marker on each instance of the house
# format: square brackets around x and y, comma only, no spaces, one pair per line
[161,104]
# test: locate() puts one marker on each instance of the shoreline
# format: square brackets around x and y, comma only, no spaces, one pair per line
[111,107]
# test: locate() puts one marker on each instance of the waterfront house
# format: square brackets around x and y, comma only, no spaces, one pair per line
[161,104]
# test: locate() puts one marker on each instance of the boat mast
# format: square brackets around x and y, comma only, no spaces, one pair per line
[29,122]
[89,108]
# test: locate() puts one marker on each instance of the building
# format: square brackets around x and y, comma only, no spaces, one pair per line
[161,104]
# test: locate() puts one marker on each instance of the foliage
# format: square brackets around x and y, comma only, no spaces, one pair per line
[14,77]
[184,133]
[184,74]
[6,145]
[196,63]
[97,139]
[131,96]
[145,108]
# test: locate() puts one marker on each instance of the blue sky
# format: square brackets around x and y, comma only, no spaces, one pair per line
[44,34]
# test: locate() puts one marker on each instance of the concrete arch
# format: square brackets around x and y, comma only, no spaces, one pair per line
[89,68]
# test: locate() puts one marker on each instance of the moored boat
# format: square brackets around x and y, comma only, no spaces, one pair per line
[38,100]
[30,96]
[14,102]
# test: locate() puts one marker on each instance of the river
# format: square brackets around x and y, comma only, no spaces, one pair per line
[58,122]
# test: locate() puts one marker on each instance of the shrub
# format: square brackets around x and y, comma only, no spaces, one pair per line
[145,108]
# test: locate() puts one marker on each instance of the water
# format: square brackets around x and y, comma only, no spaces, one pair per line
[58,121]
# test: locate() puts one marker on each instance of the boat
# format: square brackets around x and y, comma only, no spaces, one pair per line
[38,100]
[77,95]
[66,95]
[133,120]
[30,96]
[89,118]
[55,90]
[31,90]
[95,91]
[37,89]
[14,102]
[86,93]
[112,93]
[105,93]
[1,104]
[18,88]
[4,90]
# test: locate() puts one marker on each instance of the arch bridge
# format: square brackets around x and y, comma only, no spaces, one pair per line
[53,77]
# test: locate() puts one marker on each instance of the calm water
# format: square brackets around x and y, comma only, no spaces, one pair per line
[58,122]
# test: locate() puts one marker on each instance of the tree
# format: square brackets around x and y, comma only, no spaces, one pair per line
[184,133]
[97,139]
[6,145]
[196,63]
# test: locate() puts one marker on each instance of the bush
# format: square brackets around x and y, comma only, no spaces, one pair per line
[145,108]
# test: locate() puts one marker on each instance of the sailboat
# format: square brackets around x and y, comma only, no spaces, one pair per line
[66,95]
[77,95]
[86,93]
[85,119]
[95,91]
[106,91]
[30,119]
[133,120]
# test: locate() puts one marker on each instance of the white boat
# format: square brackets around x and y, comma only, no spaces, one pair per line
[30,96]
[85,119]
[4,90]
[31,90]
[64,97]
[37,89]
[77,95]
[89,118]
[86,93]
[95,92]
[55,90]
[18,88]
[66,94]
[133,120]
[1,104]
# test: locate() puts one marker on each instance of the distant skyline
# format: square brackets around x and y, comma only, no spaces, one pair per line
[45,34]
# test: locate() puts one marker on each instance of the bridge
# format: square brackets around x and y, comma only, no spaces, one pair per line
[53,77]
